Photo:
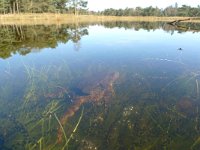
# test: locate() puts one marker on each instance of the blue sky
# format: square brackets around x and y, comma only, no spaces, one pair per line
[102,4]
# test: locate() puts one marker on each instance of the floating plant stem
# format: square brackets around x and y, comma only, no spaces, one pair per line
[197,88]
[40,143]
[42,126]
[170,83]
[195,143]
[173,110]
[52,109]
[49,122]
[38,123]
[157,124]
[76,127]
[197,108]
[8,71]
[168,128]
[61,127]
[74,130]
[33,147]
[197,120]
[27,70]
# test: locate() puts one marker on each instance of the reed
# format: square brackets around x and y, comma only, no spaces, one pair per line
[52,18]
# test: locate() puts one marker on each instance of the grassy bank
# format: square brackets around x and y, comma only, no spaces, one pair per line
[48,19]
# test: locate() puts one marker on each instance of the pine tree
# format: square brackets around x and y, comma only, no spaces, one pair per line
[77,5]
[4,6]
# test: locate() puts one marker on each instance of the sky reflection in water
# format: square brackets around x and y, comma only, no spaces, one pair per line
[125,87]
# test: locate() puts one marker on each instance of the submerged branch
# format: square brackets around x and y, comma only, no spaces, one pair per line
[181,27]
[178,21]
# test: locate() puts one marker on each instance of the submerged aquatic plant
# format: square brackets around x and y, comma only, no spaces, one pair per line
[35,78]
[67,140]
[36,111]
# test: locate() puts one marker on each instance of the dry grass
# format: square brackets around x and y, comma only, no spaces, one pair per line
[49,19]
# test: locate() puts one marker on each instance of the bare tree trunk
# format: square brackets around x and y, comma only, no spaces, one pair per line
[31,6]
[3,8]
[21,32]
[75,7]
[16,29]
[17,6]
[13,7]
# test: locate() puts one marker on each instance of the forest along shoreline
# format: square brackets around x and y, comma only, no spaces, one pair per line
[57,18]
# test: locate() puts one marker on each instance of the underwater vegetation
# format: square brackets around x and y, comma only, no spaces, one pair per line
[46,105]
[111,110]
[103,90]
[110,101]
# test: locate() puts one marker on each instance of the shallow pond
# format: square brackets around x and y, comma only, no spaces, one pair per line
[106,86]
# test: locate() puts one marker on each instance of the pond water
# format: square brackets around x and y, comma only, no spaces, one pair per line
[105,86]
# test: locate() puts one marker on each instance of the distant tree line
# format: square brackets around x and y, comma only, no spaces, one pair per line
[79,6]
[41,6]
[184,10]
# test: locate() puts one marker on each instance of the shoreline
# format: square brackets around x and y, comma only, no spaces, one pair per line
[59,19]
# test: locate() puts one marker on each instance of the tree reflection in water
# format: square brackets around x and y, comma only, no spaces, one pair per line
[25,39]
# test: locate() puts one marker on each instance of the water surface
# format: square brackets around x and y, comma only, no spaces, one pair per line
[109,86]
